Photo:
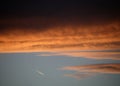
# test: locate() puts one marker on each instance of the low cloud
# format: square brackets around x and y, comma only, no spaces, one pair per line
[94,69]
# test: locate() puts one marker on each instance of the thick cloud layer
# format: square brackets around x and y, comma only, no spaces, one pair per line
[38,34]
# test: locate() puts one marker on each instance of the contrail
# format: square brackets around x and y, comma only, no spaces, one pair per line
[40,73]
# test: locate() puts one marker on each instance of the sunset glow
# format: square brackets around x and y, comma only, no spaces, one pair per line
[65,37]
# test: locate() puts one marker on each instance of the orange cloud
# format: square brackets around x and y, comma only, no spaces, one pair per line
[33,35]
[97,68]
[85,71]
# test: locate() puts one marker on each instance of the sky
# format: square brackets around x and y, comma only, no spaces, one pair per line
[63,43]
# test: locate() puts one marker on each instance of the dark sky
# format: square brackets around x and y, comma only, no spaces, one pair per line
[60,8]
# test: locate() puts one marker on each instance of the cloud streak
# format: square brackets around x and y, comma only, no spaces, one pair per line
[96,54]
[85,71]
[39,72]
[79,76]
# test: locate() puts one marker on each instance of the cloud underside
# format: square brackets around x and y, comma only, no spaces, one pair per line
[32,36]
[85,71]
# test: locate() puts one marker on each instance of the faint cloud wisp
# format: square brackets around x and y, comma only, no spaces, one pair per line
[91,54]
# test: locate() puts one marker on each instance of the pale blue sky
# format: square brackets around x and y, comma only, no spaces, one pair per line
[19,69]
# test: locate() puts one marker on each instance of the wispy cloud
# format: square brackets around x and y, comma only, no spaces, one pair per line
[94,69]
[96,54]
